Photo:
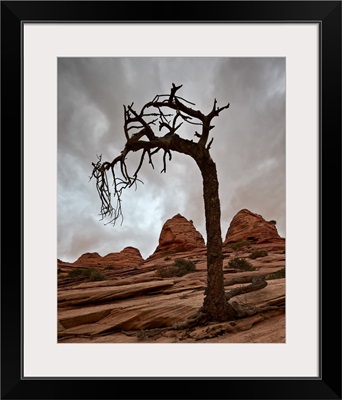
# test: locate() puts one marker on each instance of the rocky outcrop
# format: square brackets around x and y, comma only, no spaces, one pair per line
[88,259]
[178,235]
[128,257]
[250,226]
[132,303]
[144,307]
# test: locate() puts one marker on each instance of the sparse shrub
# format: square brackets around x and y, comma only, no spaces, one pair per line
[76,273]
[167,258]
[90,274]
[239,245]
[258,253]
[278,274]
[179,267]
[273,222]
[240,263]
[109,268]
[95,275]
[185,264]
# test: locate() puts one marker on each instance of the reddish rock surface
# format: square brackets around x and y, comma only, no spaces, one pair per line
[134,304]
[128,257]
[247,225]
[177,235]
[88,258]
[142,307]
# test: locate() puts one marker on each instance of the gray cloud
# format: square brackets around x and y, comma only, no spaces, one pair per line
[248,147]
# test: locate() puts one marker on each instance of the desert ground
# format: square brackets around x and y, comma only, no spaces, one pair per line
[123,298]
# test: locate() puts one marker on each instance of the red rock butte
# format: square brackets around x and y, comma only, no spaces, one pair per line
[177,235]
[250,226]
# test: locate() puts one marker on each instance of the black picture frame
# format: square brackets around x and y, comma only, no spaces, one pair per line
[328,384]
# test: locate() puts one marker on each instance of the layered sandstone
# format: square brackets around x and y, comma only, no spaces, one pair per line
[132,303]
[250,226]
[178,235]
[88,259]
[128,257]
[142,307]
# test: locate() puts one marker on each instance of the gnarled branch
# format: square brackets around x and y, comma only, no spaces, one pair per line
[139,134]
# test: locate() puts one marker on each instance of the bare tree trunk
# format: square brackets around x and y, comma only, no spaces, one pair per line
[215,306]
[138,126]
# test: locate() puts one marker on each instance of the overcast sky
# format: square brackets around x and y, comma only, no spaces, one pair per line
[248,146]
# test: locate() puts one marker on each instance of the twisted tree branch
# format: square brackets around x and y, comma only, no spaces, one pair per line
[141,137]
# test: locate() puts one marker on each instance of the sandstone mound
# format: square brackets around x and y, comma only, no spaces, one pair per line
[247,225]
[88,259]
[128,257]
[178,235]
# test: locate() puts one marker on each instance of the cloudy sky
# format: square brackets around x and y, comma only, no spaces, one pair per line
[248,146]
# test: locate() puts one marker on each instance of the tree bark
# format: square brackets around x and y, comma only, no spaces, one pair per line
[215,306]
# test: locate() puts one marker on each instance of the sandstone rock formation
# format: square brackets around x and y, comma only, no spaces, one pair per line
[88,259]
[132,303]
[128,257]
[178,235]
[142,307]
[250,226]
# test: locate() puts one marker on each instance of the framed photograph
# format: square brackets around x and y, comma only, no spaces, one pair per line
[176,221]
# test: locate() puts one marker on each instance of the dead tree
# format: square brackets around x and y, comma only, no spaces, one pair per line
[168,112]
